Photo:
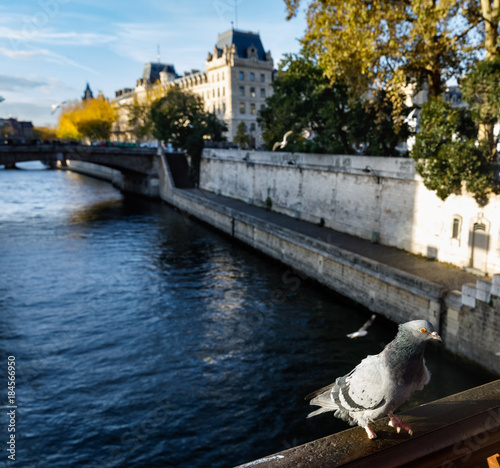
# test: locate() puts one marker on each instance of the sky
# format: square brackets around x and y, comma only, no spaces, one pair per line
[51,49]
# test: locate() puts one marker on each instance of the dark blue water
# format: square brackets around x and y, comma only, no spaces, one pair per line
[145,339]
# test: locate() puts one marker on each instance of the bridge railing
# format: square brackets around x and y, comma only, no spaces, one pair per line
[462,430]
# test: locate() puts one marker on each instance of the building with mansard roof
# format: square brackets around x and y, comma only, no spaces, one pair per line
[235,84]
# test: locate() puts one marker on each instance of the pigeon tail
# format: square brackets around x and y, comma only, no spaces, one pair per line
[324,399]
[319,411]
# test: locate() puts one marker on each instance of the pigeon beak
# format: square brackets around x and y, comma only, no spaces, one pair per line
[435,336]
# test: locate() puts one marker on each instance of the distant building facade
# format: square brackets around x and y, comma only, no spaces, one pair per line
[16,131]
[235,85]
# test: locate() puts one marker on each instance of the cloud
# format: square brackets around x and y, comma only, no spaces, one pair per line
[138,41]
[23,54]
[15,83]
[45,54]
[47,36]
[47,86]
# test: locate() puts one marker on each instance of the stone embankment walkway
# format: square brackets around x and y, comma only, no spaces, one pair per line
[449,277]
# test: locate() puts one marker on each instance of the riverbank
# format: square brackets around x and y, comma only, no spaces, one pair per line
[398,285]
[388,281]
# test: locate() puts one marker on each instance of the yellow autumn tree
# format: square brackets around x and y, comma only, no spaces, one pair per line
[67,126]
[90,119]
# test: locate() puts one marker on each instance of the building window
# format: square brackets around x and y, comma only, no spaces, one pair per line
[262,106]
[262,78]
[262,92]
[218,92]
[252,76]
[223,91]
[252,127]
[242,107]
[223,107]
[222,76]
[457,227]
[242,75]
[252,92]
[242,90]
[252,108]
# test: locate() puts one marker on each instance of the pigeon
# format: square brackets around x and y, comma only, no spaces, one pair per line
[362,331]
[380,383]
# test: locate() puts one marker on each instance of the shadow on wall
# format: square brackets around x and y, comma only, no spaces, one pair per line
[479,242]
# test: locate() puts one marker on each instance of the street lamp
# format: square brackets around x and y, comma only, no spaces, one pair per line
[370,170]
[376,223]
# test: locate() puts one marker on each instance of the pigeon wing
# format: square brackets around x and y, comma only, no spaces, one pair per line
[362,389]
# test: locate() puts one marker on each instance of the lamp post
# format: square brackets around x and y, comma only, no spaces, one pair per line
[378,208]
[370,170]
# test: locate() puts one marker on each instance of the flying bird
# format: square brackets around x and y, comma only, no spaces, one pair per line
[54,107]
[362,331]
[380,383]
[282,144]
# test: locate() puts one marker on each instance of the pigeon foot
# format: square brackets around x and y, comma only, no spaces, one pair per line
[371,434]
[398,424]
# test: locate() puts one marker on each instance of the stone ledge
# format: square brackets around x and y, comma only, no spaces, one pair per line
[459,430]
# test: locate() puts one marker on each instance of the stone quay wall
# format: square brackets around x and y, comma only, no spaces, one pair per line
[377,198]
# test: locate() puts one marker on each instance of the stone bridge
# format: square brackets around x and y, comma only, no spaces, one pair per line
[138,167]
[139,160]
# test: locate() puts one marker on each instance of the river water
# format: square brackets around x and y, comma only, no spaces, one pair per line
[145,339]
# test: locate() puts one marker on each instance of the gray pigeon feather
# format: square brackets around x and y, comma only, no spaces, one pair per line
[380,383]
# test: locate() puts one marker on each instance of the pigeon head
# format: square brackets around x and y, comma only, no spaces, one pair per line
[419,330]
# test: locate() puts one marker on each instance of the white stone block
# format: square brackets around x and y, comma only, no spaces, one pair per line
[483,296]
[483,288]
[483,285]
[495,280]
[469,289]
[469,301]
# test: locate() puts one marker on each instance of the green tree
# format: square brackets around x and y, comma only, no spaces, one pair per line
[242,138]
[179,118]
[447,155]
[481,90]
[387,45]
[484,15]
[303,98]
[139,112]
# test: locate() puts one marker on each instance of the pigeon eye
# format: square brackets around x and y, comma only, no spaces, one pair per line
[423,330]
